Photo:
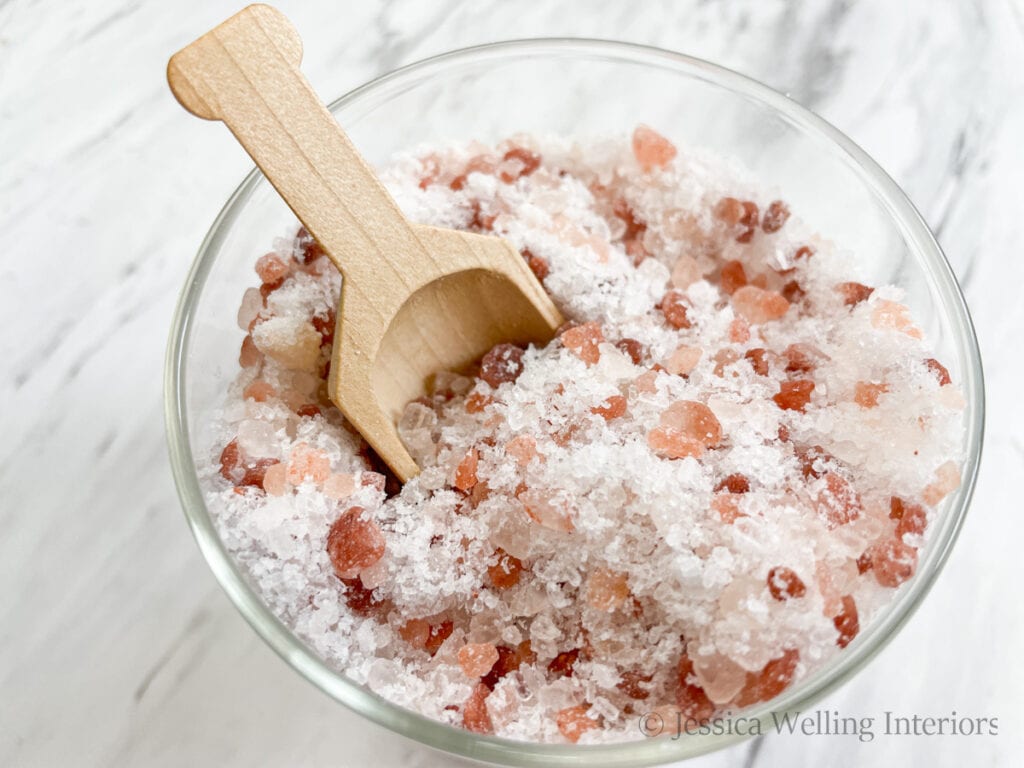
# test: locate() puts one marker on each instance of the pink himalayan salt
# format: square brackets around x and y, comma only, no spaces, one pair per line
[847,622]
[756,305]
[683,360]
[838,502]
[891,315]
[583,341]
[546,511]
[522,449]
[719,676]
[474,712]
[606,589]
[866,393]
[651,149]
[685,272]
[672,443]
[727,506]
[775,217]
[613,407]
[783,584]
[772,680]
[573,722]
[694,420]
[476,659]
[354,543]
[947,480]
[249,356]
[339,486]
[892,561]
[465,472]
[275,481]
[293,343]
[505,573]
[739,331]
[260,391]
[271,268]
[308,464]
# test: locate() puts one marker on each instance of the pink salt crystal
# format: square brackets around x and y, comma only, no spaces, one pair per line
[801,357]
[757,305]
[306,463]
[671,443]
[505,573]
[837,503]
[537,265]
[938,370]
[573,722]
[633,349]
[465,473]
[635,684]
[583,341]
[477,402]
[476,659]
[794,395]
[866,393]
[892,561]
[733,277]
[415,632]
[230,457]
[503,364]
[475,717]
[719,676]
[826,586]
[437,634]
[846,622]
[249,356]
[564,663]
[275,480]
[694,420]
[249,310]
[775,217]
[685,272]
[683,360]
[694,704]
[339,486]
[292,342]
[271,268]
[651,149]
[854,293]
[255,472]
[783,583]
[734,483]
[739,331]
[607,589]
[772,680]
[547,511]
[673,307]
[354,543]
[259,390]
[727,506]
[522,448]
[645,382]
[612,408]
[947,480]
[912,519]
[758,358]
[891,315]
[518,161]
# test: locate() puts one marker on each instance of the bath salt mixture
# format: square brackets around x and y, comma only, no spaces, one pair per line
[704,488]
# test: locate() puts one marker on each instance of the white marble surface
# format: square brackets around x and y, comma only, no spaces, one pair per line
[116,645]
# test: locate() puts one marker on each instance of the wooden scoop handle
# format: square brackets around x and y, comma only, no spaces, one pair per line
[245,73]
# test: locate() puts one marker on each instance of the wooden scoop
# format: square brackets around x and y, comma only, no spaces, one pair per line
[415,300]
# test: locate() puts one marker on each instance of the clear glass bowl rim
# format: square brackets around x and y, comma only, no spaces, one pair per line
[642,751]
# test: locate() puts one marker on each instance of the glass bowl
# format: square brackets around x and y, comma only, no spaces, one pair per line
[578,87]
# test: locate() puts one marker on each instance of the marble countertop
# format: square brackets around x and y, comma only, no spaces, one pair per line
[117,646]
